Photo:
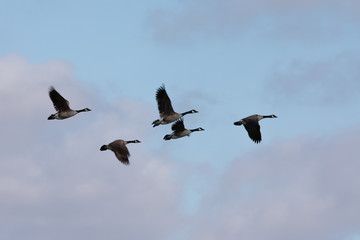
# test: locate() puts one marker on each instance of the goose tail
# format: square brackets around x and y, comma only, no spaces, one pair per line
[167,137]
[52,117]
[238,123]
[103,148]
[156,123]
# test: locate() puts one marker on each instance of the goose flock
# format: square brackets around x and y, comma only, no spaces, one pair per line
[167,115]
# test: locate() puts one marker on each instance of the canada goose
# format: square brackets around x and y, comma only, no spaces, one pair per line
[120,149]
[62,107]
[180,131]
[252,126]
[167,113]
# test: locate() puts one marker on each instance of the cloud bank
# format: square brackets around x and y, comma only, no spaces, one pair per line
[56,184]
[305,188]
[54,181]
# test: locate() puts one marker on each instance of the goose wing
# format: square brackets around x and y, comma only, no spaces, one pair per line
[121,151]
[163,101]
[178,126]
[253,129]
[60,103]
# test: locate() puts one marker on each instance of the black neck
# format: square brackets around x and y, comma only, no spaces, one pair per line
[81,110]
[184,113]
[194,130]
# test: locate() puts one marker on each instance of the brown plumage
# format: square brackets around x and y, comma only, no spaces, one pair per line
[180,131]
[251,124]
[62,106]
[119,148]
[166,111]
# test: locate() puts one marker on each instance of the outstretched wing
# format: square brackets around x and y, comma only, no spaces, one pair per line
[178,126]
[163,101]
[60,103]
[253,129]
[121,151]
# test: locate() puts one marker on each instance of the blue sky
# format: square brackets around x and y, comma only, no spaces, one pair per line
[226,59]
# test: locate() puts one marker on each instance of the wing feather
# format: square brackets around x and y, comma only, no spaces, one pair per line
[59,102]
[163,101]
[178,126]
[121,151]
[253,129]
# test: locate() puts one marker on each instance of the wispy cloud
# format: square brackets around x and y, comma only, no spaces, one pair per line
[332,81]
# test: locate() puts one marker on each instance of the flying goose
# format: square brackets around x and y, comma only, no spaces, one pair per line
[167,113]
[252,126]
[180,131]
[62,107]
[120,149]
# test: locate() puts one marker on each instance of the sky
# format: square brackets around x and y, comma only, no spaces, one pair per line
[299,60]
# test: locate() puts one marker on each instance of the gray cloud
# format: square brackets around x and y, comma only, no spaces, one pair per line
[56,183]
[305,188]
[334,81]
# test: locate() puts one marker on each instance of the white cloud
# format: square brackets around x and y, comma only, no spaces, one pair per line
[303,188]
[334,81]
[56,183]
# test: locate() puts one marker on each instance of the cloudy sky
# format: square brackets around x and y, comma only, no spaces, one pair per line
[227,59]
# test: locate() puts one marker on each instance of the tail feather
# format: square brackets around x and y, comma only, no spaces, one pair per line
[103,148]
[51,117]
[167,137]
[238,123]
[156,123]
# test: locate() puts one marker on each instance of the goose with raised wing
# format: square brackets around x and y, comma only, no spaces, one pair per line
[251,124]
[180,131]
[166,111]
[119,148]
[62,107]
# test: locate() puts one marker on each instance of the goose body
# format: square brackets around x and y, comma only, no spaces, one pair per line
[62,106]
[180,131]
[166,111]
[119,148]
[251,124]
